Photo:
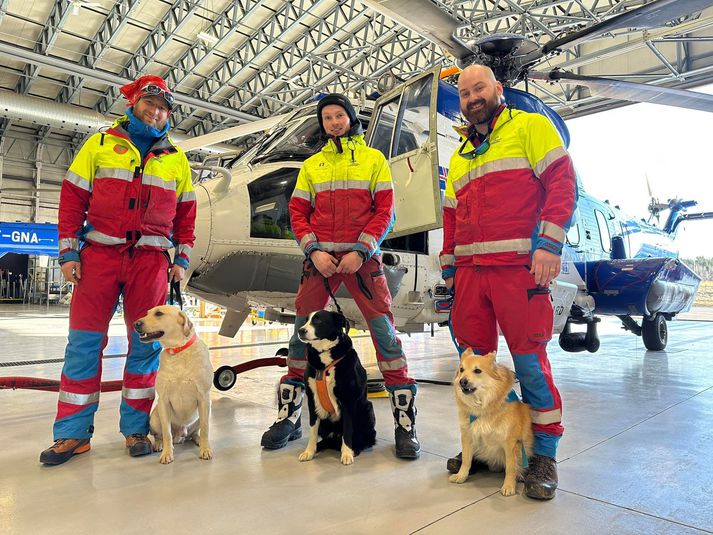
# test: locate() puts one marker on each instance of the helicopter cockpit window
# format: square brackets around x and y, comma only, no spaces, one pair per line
[299,144]
[604,234]
[381,139]
[269,197]
[412,129]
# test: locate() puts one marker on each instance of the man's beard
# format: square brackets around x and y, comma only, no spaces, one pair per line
[484,114]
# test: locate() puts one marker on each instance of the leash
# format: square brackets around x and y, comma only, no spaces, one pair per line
[321,382]
[175,288]
[331,294]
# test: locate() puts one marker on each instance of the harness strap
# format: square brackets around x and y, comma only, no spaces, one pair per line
[322,392]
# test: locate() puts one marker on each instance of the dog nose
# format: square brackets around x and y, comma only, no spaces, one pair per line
[464,382]
[138,324]
[302,331]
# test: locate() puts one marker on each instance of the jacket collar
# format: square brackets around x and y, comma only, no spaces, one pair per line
[347,142]
[119,129]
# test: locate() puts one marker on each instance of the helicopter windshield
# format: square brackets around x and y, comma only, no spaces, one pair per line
[293,144]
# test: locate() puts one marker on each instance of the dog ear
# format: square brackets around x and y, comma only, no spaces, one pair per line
[343,322]
[491,356]
[467,353]
[186,322]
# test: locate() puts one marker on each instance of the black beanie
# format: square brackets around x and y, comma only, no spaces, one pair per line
[339,100]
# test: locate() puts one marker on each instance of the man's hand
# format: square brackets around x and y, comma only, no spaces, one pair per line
[350,263]
[449,282]
[325,263]
[177,274]
[72,271]
[545,266]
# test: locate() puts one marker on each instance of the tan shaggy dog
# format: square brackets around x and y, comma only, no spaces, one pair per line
[183,382]
[492,429]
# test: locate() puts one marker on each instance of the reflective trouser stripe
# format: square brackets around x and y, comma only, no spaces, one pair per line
[297,363]
[546,417]
[78,399]
[138,393]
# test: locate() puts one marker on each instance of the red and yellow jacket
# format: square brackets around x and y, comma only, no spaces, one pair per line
[343,201]
[125,201]
[516,197]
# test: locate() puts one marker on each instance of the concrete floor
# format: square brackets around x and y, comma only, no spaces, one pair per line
[635,457]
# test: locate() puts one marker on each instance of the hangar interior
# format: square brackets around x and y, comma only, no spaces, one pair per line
[634,455]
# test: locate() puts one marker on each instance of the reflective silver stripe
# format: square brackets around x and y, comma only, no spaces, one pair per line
[184,249]
[68,243]
[158,182]
[187,196]
[450,202]
[368,239]
[336,247]
[342,184]
[501,246]
[302,194]
[552,230]
[503,164]
[383,186]
[546,417]
[138,393]
[155,241]
[447,260]
[100,237]
[552,156]
[296,363]
[306,239]
[114,172]
[391,365]
[78,180]
[78,399]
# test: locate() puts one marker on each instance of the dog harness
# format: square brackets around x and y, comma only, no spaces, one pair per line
[321,382]
[174,350]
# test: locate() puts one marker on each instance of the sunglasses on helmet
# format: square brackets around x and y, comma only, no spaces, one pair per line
[153,89]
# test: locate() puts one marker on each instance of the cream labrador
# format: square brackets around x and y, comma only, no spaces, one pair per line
[183,382]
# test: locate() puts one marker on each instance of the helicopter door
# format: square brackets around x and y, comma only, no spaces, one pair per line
[403,128]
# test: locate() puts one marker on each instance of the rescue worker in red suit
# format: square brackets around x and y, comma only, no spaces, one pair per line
[126,199]
[510,194]
[341,210]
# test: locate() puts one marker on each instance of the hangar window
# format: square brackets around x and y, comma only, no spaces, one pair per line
[269,197]
[604,235]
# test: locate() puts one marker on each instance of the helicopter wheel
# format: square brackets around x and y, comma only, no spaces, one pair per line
[654,333]
[224,378]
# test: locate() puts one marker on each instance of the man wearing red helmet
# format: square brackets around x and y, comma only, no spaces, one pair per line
[126,199]
[341,210]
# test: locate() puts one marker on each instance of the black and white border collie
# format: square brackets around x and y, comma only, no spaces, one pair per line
[350,428]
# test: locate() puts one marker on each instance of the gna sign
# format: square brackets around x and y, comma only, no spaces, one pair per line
[28,238]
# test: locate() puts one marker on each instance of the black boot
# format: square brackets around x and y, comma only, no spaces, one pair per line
[288,425]
[541,478]
[454,463]
[404,410]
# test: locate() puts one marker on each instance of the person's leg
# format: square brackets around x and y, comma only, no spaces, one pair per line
[312,295]
[369,290]
[145,278]
[93,302]
[473,326]
[526,316]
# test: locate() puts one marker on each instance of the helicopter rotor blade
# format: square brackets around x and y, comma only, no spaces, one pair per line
[631,91]
[426,19]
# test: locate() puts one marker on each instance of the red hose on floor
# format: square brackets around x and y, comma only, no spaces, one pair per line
[50,385]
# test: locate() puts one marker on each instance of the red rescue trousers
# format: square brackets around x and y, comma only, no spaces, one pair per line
[374,301]
[488,296]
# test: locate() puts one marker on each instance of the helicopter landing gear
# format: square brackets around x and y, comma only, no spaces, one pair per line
[653,330]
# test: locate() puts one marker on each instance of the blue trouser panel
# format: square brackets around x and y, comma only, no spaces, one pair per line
[141,361]
[81,370]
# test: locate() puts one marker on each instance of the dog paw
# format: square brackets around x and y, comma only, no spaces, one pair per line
[508,489]
[158,445]
[458,478]
[306,455]
[206,453]
[347,458]
[166,458]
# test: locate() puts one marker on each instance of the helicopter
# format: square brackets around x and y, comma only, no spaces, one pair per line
[612,264]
